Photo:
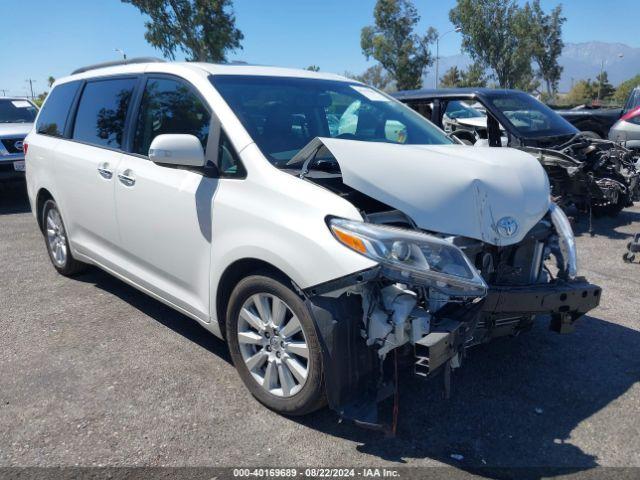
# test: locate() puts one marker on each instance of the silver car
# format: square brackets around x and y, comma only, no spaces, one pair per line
[16,120]
[627,129]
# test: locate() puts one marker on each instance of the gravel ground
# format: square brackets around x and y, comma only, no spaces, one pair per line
[94,372]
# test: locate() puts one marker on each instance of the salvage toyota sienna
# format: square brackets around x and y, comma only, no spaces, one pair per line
[324,229]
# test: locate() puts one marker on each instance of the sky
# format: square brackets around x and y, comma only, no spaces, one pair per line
[53,37]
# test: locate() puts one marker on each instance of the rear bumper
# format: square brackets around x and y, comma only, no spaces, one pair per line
[7,170]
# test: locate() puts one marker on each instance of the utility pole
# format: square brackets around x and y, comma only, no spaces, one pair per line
[30,80]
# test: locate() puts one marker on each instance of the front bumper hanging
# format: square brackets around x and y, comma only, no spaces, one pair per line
[574,297]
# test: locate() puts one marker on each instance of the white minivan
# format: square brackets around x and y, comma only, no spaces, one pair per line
[318,225]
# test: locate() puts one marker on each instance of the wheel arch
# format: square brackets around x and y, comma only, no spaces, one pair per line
[232,275]
[42,196]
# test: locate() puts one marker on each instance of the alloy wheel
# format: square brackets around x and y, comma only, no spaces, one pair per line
[56,237]
[273,345]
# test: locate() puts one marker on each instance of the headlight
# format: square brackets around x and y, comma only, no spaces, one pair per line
[567,240]
[412,257]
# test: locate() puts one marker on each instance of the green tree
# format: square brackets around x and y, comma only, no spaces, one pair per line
[603,88]
[451,78]
[583,91]
[39,100]
[313,68]
[624,89]
[474,76]
[545,37]
[51,81]
[376,77]
[494,34]
[203,29]
[392,42]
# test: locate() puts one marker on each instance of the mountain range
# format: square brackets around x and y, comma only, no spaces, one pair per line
[579,61]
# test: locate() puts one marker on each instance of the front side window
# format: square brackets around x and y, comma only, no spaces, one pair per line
[228,162]
[102,112]
[54,114]
[17,111]
[169,106]
[283,114]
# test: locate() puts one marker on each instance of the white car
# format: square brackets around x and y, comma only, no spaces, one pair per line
[220,191]
[16,120]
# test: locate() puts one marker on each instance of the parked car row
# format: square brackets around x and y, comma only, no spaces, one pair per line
[586,173]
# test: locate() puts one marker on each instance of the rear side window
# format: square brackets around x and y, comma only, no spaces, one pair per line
[54,114]
[102,112]
[169,106]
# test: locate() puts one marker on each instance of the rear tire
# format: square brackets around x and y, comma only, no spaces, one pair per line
[56,240]
[274,346]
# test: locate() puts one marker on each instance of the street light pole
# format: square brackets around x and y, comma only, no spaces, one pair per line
[602,65]
[600,79]
[124,55]
[457,29]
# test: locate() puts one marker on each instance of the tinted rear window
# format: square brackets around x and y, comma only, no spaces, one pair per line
[17,111]
[102,112]
[54,114]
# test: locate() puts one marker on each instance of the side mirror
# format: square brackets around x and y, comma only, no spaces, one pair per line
[177,149]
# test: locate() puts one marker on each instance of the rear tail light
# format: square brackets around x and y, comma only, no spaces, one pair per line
[25,147]
[631,114]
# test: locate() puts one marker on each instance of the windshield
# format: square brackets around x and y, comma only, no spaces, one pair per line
[17,111]
[458,109]
[529,117]
[283,114]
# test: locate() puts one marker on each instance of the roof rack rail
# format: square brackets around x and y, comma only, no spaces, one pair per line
[118,62]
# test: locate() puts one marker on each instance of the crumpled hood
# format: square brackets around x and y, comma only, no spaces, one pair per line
[10,130]
[450,189]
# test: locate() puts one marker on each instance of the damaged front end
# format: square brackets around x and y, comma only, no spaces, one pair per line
[431,317]
[591,175]
[432,295]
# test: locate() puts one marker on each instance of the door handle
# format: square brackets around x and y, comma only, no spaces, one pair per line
[105,172]
[126,178]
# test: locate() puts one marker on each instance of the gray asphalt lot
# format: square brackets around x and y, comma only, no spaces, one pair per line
[93,372]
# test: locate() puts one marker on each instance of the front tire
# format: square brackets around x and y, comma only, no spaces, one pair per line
[57,241]
[274,346]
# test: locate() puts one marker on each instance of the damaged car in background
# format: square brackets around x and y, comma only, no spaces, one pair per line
[330,233]
[586,174]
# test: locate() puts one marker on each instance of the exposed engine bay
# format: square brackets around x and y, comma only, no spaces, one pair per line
[433,294]
[591,174]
